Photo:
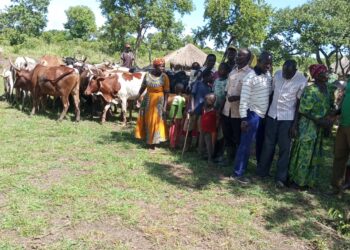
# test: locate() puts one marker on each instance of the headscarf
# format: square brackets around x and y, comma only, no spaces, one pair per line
[158,62]
[317,69]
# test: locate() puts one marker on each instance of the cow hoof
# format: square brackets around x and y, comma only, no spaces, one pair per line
[60,120]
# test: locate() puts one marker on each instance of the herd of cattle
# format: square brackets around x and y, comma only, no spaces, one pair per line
[27,81]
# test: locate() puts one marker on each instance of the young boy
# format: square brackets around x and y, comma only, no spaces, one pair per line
[176,116]
[220,95]
[208,127]
[199,91]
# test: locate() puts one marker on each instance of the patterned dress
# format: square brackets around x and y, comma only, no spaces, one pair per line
[307,151]
[151,124]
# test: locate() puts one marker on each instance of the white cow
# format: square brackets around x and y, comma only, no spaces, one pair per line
[129,89]
[130,85]
[24,62]
[8,83]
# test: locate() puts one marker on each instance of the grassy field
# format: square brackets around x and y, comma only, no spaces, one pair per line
[87,186]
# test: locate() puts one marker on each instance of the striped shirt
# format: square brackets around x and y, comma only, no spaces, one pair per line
[256,90]
[285,96]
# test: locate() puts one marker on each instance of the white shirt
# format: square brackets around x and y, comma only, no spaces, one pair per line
[233,88]
[285,96]
[256,90]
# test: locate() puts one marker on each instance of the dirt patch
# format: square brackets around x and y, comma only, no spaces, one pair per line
[104,233]
[50,178]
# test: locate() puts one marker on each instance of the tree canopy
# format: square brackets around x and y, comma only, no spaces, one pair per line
[319,27]
[242,21]
[25,16]
[80,22]
[131,17]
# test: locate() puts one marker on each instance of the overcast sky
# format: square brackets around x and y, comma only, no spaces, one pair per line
[56,15]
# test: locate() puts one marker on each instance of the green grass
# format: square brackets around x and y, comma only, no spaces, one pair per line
[90,186]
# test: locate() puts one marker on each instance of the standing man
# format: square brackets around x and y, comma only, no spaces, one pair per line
[231,57]
[231,120]
[256,90]
[281,122]
[127,57]
[342,145]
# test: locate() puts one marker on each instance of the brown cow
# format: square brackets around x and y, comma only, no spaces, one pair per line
[58,81]
[23,82]
[107,87]
[50,61]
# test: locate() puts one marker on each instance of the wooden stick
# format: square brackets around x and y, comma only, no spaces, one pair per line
[187,129]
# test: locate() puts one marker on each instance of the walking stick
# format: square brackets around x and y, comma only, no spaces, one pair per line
[187,129]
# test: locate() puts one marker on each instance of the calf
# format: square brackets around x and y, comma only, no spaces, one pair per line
[8,84]
[108,87]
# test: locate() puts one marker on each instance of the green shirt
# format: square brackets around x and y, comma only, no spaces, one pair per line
[179,102]
[345,108]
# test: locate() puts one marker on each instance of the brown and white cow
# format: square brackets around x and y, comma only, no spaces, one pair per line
[108,87]
[58,81]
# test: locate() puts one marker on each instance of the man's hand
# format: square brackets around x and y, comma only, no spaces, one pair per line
[293,131]
[233,98]
[244,126]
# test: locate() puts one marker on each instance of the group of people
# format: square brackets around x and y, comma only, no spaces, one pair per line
[228,109]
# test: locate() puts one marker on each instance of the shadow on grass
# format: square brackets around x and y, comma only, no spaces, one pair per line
[196,176]
[301,214]
[294,213]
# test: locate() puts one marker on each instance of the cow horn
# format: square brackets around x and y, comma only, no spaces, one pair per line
[84,59]
[26,62]
[17,69]
[90,71]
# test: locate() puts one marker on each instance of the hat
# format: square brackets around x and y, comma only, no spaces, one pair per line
[127,45]
[158,61]
[316,69]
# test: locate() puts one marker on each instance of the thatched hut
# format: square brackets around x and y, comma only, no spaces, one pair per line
[343,67]
[185,56]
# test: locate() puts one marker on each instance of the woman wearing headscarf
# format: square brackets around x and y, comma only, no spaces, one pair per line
[315,122]
[151,125]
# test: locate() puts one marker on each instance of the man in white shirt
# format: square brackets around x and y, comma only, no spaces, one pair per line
[281,122]
[230,118]
[254,102]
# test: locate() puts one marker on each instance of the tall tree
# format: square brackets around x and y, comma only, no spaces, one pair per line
[137,17]
[80,22]
[243,22]
[25,16]
[319,27]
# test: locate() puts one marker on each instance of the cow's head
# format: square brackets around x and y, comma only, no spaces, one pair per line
[94,85]
[23,78]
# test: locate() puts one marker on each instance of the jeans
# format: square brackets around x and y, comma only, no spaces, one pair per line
[247,138]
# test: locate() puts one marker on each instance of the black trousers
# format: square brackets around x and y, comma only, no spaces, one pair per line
[231,127]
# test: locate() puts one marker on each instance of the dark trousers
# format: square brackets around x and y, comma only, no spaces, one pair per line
[231,128]
[341,155]
[247,138]
[260,136]
[276,133]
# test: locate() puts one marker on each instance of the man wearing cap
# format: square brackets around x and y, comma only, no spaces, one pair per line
[127,57]
[231,57]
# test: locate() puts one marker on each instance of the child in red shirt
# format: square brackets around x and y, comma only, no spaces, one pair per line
[209,126]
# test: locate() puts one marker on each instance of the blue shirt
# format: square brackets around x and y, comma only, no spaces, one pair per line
[199,91]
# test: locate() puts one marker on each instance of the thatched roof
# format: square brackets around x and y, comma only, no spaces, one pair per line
[185,56]
[343,63]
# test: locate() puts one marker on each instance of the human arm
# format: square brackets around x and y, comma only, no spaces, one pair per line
[142,89]
[244,102]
